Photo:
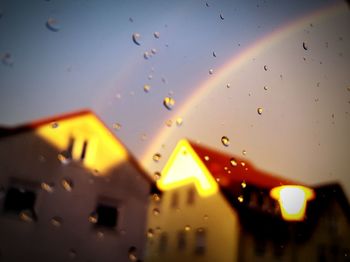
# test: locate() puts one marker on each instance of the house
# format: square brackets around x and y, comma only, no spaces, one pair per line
[214,207]
[70,190]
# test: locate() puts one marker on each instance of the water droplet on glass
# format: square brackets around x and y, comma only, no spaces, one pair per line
[156,35]
[233,162]
[228,86]
[242,163]
[265,88]
[63,158]
[187,228]
[222,17]
[67,184]
[56,221]
[206,158]
[131,19]
[6,59]
[26,215]
[156,175]
[205,217]
[225,141]
[136,38]
[179,121]
[211,71]
[54,125]
[155,197]
[48,187]
[93,218]
[207,4]
[146,55]
[260,110]
[240,198]
[146,88]
[169,103]
[156,157]
[150,233]
[169,123]
[52,24]
[132,254]
[265,67]
[156,211]
[153,51]
[243,184]
[72,253]
[214,54]
[244,152]
[100,234]
[305,46]
[116,126]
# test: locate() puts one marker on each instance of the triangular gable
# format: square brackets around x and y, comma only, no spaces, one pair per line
[185,167]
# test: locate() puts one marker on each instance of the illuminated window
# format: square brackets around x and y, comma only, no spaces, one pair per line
[191,195]
[18,200]
[181,240]
[200,245]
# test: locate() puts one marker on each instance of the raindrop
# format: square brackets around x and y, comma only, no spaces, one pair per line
[116,126]
[260,110]
[265,67]
[56,221]
[150,77]
[6,59]
[305,46]
[52,24]
[156,35]
[54,125]
[244,152]
[155,197]
[242,163]
[67,184]
[265,88]
[26,215]
[169,103]
[214,54]
[243,184]
[187,228]
[63,158]
[205,217]
[146,88]
[206,4]
[240,198]
[225,141]
[100,234]
[222,17]
[163,80]
[135,38]
[132,253]
[156,212]
[153,51]
[150,233]
[146,55]
[228,86]
[156,157]
[169,123]
[47,187]
[206,158]
[131,19]
[156,175]
[233,162]
[179,121]
[211,71]
[72,253]
[93,218]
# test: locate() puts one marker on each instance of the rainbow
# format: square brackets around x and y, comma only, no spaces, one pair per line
[237,62]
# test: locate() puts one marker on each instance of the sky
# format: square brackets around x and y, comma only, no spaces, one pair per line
[220,61]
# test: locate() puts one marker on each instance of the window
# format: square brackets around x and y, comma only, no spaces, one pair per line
[200,245]
[18,200]
[191,195]
[83,151]
[106,216]
[174,200]
[181,240]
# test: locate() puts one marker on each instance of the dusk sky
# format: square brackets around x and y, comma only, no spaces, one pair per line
[272,76]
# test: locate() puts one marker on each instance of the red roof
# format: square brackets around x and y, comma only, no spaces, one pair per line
[230,175]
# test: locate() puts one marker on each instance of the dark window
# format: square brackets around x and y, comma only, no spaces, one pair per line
[200,245]
[174,200]
[107,216]
[18,200]
[83,152]
[181,240]
[163,242]
[191,195]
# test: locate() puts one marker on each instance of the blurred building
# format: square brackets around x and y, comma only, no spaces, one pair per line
[217,208]
[70,190]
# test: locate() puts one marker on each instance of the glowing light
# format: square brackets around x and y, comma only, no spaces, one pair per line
[292,200]
[185,167]
[102,150]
